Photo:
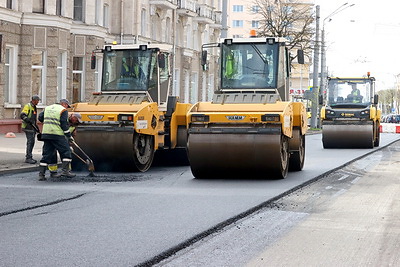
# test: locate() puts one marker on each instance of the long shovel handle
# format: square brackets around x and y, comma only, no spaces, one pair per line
[80,149]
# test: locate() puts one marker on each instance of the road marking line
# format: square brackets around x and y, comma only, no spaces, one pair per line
[343,177]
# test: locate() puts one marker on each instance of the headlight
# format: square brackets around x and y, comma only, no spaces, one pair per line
[271,117]
[330,112]
[125,117]
[200,118]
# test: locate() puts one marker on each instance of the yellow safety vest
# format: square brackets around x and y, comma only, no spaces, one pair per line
[356,94]
[51,123]
[229,67]
[28,110]
[126,67]
[71,129]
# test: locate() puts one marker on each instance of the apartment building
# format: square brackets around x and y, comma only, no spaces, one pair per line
[46,46]
[243,16]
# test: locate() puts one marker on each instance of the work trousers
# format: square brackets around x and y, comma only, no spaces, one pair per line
[30,142]
[52,146]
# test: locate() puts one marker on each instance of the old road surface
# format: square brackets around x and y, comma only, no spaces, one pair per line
[341,210]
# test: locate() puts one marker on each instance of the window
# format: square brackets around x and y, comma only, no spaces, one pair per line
[255,9]
[210,92]
[237,23]
[237,8]
[10,75]
[97,74]
[9,4]
[38,6]
[59,7]
[105,16]
[97,12]
[38,83]
[78,85]
[196,41]
[204,87]
[194,88]
[255,23]
[237,36]
[176,82]
[78,10]
[168,31]
[143,23]
[288,9]
[62,75]
[189,36]
[187,85]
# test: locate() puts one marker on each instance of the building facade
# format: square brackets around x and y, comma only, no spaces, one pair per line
[46,46]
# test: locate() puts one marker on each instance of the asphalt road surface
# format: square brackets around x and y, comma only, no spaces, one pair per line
[128,219]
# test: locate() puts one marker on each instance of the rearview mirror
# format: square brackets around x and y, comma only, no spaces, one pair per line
[203,57]
[161,61]
[376,99]
[321,99]
[300,56]
[93,62]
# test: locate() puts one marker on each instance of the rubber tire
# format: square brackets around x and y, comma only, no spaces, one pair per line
[297,158]
[282,170]
[143,151]
[378,137]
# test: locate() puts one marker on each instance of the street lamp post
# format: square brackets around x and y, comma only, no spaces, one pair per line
[315,93]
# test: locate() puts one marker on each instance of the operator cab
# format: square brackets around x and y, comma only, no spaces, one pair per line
[350,92]
[136,69]
[251,66]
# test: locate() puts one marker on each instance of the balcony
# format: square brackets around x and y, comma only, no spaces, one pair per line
[186,8]
[217,18]
[205,14]
[164,4]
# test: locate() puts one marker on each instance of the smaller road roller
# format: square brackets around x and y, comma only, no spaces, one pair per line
[133,114]
[350,117]
[250,129]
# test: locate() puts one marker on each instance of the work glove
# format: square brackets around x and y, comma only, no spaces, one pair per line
[71,139]
[27,120]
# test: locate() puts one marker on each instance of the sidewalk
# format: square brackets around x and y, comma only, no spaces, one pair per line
[12,153]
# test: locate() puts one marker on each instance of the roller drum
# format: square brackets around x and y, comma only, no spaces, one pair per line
[348,136]
[109,150]
[237,155]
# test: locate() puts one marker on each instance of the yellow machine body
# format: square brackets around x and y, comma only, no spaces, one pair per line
[351,118]
[133,116]
[250,129]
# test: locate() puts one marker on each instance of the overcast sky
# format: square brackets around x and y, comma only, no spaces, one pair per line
[362,38]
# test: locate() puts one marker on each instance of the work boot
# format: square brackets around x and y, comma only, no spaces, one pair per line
[42,173]
[31,161]
[66,171]
[55,175]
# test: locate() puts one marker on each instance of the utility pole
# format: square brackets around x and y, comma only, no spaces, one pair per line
[315,89]
[224,30]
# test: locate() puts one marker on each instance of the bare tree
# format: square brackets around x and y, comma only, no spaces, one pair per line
[290,19]
[389,100]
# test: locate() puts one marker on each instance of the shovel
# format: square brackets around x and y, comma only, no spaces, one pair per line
[88,161]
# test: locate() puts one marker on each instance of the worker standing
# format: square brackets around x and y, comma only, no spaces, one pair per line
[55,135]
[29,126]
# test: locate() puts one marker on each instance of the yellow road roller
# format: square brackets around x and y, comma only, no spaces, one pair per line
[132,115]
[350,117]
[250,129]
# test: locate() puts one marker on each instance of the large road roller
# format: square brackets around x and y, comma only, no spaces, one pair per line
[133,114]
[250,129]
[350,117]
